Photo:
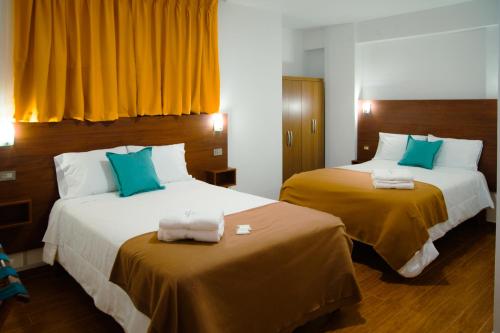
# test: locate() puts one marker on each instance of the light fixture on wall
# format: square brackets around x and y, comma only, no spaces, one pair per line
[218,122]
[7,133]
[367,108]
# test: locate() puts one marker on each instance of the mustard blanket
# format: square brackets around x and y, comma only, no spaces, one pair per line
[394,222]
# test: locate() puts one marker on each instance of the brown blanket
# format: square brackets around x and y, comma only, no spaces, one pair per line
[394,222]
[293,267]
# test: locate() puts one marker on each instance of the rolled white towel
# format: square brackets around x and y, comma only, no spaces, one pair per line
[394,185]
[396,182]
[392,174]
[175,219]
[206,220]
[211,236]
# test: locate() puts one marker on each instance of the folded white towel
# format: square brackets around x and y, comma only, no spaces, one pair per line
[206,220]
[393,185]
[393,181]
[392,174]
[211,236]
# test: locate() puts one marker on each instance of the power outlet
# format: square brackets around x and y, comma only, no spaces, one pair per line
[6,176]
[218,152]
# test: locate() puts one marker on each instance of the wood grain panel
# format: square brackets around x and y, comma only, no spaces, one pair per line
[313,139]
[303,142]
[292,123]
[463,119]
[37,144]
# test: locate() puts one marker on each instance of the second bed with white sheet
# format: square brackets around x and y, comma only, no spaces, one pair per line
[465,194]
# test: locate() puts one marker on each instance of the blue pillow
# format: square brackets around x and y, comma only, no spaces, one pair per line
[134,172]
[420,153]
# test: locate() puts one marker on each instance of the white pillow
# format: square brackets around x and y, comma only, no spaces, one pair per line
[458,153]
[169,162]
[87,173]
[393,146]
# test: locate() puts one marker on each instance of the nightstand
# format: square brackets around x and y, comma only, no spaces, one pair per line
[222,177]
[15,213]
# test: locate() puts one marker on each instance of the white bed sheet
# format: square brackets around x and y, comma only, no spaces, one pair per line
[86,233]
[465,193]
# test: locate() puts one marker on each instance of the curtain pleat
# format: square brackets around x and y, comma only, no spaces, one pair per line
[99,60]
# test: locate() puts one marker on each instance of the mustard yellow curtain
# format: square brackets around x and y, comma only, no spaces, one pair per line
[99,60]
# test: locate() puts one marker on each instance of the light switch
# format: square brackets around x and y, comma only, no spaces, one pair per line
[6,176]
[218,151]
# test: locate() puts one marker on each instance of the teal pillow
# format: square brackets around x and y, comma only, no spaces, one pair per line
[420,153]
[411,137]
[134,172]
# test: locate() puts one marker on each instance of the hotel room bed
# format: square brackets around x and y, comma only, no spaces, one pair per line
[465,194]
[275,279]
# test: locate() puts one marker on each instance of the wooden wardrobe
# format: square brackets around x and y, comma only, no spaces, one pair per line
[303,125]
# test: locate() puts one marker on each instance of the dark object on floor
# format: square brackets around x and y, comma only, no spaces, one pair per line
[11,288]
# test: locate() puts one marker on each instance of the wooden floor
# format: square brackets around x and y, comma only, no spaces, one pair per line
[455,294]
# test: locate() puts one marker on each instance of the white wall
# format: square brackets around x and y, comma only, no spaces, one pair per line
[292,52]
[314,38]
[303,52]
[251,69]
[440,66]
[314,63]
[463,16]
[340,125]
[492,53]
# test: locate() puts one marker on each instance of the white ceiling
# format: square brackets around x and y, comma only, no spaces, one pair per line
[313,13]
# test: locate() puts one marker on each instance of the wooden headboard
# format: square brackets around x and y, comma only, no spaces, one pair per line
[463,119]
[37,143]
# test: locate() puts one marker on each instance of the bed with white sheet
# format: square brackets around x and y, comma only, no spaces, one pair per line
[85,234]
[464,190]
[465,193]
[90,224]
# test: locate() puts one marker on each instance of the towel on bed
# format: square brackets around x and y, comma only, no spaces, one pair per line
[393,185]
[203,226]
[402,175]
[399,179]
[207,220]
[209,236]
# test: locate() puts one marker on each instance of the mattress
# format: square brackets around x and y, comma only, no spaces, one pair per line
[296,259]
[465,193]
[85,234]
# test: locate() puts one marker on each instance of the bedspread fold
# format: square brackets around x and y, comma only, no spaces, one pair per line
[394,222]
[294,266]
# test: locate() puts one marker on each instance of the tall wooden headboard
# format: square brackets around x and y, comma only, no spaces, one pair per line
[463,119]
[36,144]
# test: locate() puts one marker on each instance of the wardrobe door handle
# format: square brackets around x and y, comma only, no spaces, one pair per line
[288,138]
[291,138]
[312,126]
[315,126]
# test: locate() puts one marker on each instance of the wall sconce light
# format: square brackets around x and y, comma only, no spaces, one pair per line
[367,108]
[7,133]
[218,122]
